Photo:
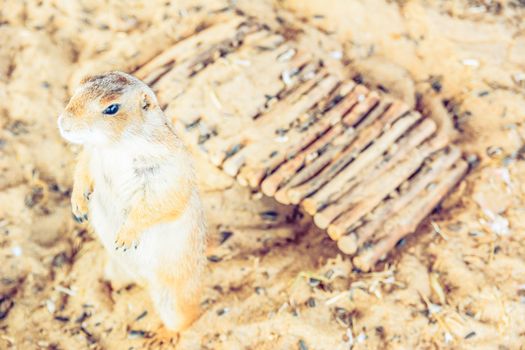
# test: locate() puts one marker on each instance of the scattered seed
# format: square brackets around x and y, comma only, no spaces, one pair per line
[222,311]
[62,318]
[16,251]
[328,274]
[472,160]
[493,151]
[142,315]
[269,215]
[225,235]
[233,150]
[313,282]
[51,307]
[18,127]
[470,62]
[286,78]
[138,333]
[311,302]
[214,258]
[336,55]
[193,124]
[6,304]
[90,338]
[302,345]
[401,242]
[65,290]
[85,315]
[470,335]
[358,79]
[287,55]
[435,83]
[59,259]
[455,226]
[244,63]
[519,79]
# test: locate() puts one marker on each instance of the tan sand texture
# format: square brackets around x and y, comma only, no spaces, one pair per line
[275,281]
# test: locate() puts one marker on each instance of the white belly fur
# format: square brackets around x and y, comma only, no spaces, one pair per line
[115,184]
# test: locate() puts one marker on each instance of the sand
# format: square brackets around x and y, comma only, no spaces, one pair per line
[274,281]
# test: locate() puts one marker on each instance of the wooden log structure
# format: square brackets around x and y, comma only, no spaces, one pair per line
[278,112]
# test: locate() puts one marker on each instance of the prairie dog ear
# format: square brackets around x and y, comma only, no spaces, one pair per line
[146,103]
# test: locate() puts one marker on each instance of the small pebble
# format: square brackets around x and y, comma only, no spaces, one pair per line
[470,62]
[336,55]
[16,251]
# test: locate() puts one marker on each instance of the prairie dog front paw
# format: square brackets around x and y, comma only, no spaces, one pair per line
[79,205]
[127,238]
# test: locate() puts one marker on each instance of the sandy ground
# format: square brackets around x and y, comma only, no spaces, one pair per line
[274,281]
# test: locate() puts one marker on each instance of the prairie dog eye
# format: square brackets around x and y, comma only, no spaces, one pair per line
[112,109]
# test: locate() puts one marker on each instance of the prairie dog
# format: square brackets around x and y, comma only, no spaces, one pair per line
[135,182]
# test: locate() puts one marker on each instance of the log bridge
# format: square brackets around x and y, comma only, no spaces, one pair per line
[274,107]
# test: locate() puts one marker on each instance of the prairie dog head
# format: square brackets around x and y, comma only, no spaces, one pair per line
[106,107]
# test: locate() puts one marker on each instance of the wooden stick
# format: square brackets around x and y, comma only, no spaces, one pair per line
[336,158]
[298,140]
[219,152]
[370,128]
[232,165]
[185,49]
[271,184]
[371,195]
[304,145]
[413,139]
[409,218]
[312,168]
[347,165]
[415,187]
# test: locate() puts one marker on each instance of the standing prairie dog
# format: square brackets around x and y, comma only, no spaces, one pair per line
[135,182]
